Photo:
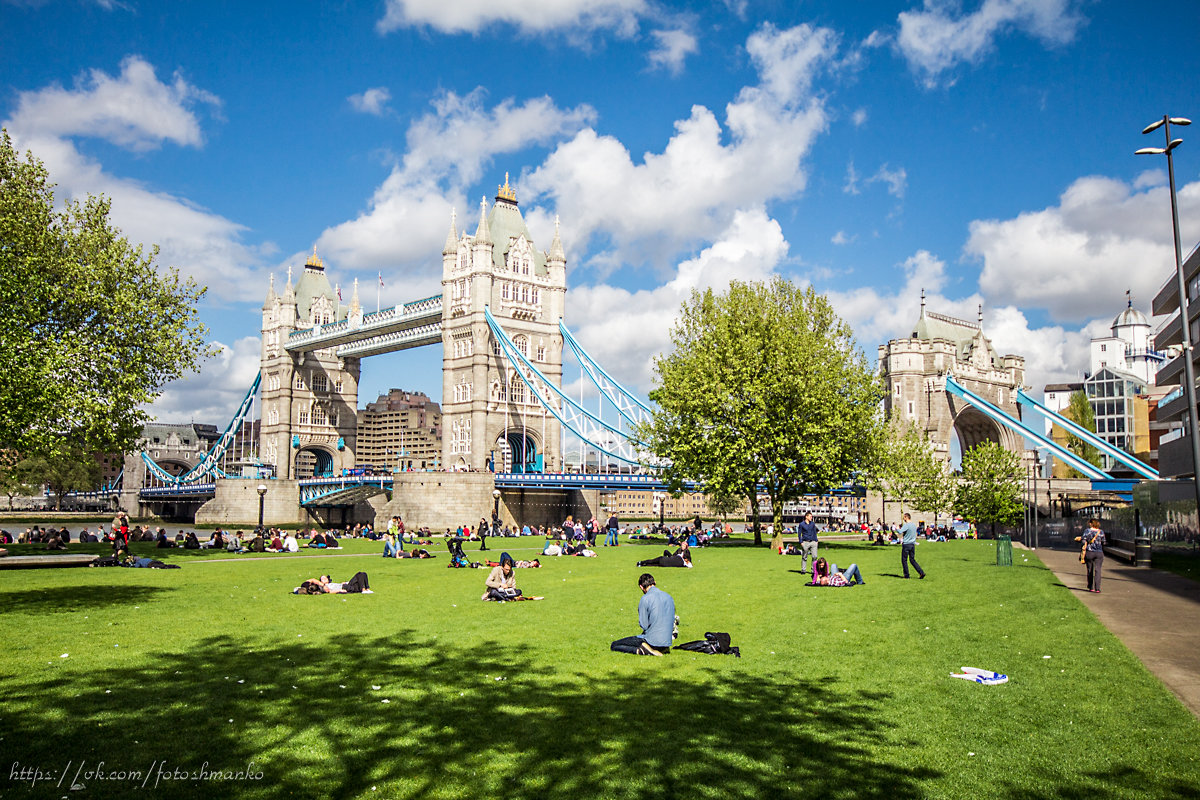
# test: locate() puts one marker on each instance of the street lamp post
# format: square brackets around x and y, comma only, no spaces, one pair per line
[262,496]
[1189,369]
[1037,467]
[495,505]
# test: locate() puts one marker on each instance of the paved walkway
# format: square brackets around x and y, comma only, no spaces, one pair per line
[1155,613]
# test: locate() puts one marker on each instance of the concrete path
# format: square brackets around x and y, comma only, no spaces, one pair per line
[1155,613]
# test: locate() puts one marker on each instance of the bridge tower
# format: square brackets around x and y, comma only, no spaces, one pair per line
[488,416]
[914,371]
[310,399]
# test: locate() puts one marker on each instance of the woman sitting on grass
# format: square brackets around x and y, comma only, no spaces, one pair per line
[825,574]
[502,584]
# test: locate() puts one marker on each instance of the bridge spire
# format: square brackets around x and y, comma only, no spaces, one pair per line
[556,249]
[483,233]
[451,237]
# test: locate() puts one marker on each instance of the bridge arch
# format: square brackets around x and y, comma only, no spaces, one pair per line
[313,461]
[518,450]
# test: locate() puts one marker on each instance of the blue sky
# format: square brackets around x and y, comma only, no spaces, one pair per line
[982,151]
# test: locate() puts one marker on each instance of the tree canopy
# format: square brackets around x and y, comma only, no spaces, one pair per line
[90,330]
[1079,410]
[912,472]
[991,485]
[763,389]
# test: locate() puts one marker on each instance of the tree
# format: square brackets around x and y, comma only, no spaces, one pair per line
[13,480]
[990,486]
[724,504]
[90,330]
[62,471]
[911,471]
[763,390]
[1079,410]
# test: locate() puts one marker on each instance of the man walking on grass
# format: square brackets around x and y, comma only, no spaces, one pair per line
[808,542]
[908,546]
[656,614]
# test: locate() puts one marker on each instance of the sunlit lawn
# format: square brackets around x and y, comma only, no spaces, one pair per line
[422,690]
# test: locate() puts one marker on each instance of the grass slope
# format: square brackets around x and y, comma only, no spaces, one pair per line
[841,692]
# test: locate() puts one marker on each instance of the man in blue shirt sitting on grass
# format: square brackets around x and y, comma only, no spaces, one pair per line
[656,614]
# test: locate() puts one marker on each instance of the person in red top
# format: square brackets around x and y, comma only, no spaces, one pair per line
[120,533]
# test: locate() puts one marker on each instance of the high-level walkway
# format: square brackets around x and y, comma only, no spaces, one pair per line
[1155,613]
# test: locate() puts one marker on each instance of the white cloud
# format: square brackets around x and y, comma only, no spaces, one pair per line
[406,220]
[372,101]
[134,109]
[859,117]
[841,238]
[1053,353]
[672,49]
[939,37]
[1076,259]
[212,394]
[750,248]
[672,200]
[851,184]
[896,180]
[472,16]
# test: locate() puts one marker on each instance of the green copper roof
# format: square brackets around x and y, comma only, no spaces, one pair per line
[506,224]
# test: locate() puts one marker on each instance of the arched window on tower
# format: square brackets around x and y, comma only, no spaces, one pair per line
[516,389]
[522,344]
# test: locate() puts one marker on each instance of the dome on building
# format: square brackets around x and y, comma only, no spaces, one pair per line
[1129,317]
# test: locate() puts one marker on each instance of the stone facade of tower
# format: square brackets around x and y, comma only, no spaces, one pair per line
[488,415]
[309,400]
[914,371]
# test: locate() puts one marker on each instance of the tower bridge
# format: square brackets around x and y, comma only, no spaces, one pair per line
[498,320]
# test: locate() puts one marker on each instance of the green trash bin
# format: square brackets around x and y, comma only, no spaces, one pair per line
[1004,551]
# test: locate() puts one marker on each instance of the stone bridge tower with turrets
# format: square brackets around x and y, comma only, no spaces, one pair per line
[488,414]
[309,399]
[914,371]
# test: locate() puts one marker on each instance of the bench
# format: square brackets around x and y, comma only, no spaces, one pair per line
[28,562]
[1124,551]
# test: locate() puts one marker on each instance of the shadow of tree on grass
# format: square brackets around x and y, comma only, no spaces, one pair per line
[66,599]
[486,722]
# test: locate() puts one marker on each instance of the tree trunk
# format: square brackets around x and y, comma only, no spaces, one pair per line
[777,521]
[754,510]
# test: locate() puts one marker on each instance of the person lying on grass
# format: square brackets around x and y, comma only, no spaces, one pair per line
[825,574]
[518,564]
[323,585]
[680,558]
[501,583]
[420,552]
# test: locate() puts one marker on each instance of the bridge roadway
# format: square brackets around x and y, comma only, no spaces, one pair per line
[350,489]
[385,331]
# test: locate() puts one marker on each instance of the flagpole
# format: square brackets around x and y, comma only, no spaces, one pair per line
[378,287]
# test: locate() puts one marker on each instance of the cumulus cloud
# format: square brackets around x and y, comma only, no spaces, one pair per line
[408,216]
[672,47]
[372,101]
[939,37]
[1076,259]
[841,238]
[671,200]
[859,117]
[1053,353]
[750,248]
[213,393]
[472,16]
[135,110]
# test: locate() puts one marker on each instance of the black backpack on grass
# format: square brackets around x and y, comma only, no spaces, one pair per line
[712,644]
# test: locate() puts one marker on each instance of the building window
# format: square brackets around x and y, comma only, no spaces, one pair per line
[516,389]
[318,416]
[896,388]
[320,383]
[299,381]
[303,417]
[504,291]
[541,352]
[522,344]
[337,385]
[535,295]
[524,294]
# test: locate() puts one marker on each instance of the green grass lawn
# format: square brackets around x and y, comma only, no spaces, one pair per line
[423,691]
